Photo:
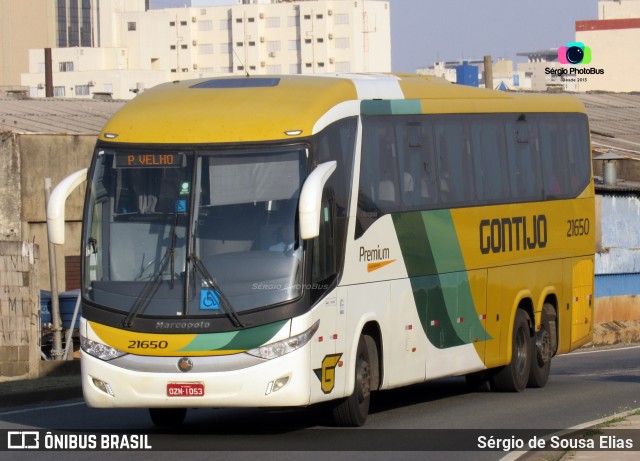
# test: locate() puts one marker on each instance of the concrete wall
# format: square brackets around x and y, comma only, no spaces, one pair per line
[10,223]
[25,160]
[19,311]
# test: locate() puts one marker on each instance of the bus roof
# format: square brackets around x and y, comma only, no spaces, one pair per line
[245,109]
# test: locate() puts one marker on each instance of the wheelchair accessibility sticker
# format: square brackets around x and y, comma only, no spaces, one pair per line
[209,299]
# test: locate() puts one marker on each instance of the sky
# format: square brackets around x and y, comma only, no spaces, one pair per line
[425,31]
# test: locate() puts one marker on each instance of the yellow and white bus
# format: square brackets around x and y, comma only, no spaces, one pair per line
[290,240]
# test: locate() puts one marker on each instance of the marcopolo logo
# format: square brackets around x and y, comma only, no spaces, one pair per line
[574,53]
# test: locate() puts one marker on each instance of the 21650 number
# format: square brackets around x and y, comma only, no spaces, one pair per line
[578,227]
[133,344]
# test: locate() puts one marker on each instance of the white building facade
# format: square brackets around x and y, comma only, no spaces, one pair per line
[140,49]
[613,39]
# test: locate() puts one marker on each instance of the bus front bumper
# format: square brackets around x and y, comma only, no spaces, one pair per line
[280,382]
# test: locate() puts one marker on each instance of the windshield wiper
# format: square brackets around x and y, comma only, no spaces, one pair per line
[149,291]
[211,283]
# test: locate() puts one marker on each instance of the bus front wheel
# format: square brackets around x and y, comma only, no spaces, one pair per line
[353,410]
[167,417]
[514,377]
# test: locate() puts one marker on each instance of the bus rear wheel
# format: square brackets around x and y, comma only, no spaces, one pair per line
[541,361]
[167,417]
[514,377]
[353,410]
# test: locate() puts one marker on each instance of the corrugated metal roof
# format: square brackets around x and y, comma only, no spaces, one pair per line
[615,121]
[56,116]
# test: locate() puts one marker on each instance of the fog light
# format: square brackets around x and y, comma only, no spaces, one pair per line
[276,385]
[104,387]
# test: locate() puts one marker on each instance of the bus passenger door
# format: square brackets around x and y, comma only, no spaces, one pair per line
[582,303]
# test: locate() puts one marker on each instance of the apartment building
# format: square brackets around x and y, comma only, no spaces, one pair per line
[141,48]
[613,39]
[21,29]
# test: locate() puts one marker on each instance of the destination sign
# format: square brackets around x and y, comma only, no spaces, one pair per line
[149,160]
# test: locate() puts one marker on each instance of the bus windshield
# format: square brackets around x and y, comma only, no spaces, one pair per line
[183,233]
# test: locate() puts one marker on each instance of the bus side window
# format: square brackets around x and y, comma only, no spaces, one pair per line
[578,154]
[455,165]
[524,167]
[324,267]
[489,157]
[554,168]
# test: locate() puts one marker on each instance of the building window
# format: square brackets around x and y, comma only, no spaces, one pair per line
[252,20]
[224,24]
[342,18]
[184,47]
[252,67]
[185,69]
[173,47]
[273,22]
[308,65]
[183,23]
[342,42]
[206,48]
[252,43]
[276,69]
[172,24]
[66,66]
[131,26]
[82,90]
[238,20]
[295,68]
[239,44]
[307,41]
[58,91]
[202,13]
[225,48]
[226,70]
[240,67]
[293,21]
[307,16]
[321,40]
[174,70]
[273,45]
[318,16]
[294,45]
[205,25]
[343,66]
[321,64]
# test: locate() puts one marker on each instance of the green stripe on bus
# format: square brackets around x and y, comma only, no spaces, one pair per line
[391,107]
[440,284]
[242,340]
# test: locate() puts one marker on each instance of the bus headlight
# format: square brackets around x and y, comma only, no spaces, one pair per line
[280,348]
[99,350]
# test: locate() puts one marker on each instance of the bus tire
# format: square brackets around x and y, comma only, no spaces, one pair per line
[353,410]
[514,377]
[541,360]
[167,417]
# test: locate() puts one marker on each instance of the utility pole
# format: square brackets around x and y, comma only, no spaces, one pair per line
[488,72]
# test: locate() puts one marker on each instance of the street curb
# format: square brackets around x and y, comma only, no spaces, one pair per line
[535,455]
[38,396]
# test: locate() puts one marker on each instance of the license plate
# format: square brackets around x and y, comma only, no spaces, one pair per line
[185,389]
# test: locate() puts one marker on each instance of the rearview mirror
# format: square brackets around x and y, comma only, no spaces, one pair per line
[311,200]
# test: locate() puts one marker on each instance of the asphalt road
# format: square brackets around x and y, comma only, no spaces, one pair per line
[584,386]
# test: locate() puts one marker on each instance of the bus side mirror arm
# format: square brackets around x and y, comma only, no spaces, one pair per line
[57,201]
[311,200]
